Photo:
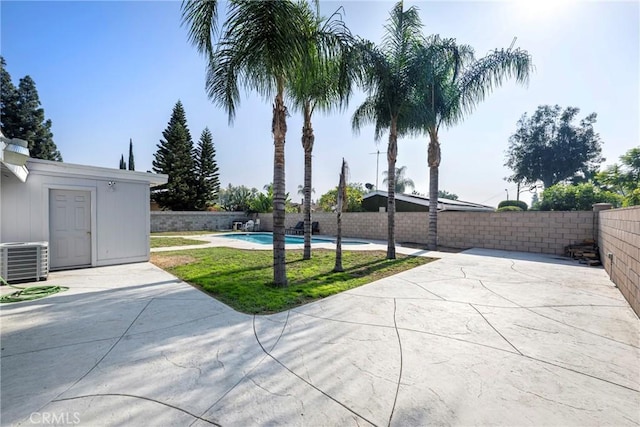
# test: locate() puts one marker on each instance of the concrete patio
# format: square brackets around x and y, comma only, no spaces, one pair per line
[476,338]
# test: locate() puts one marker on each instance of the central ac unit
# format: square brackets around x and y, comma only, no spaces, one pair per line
[24,261]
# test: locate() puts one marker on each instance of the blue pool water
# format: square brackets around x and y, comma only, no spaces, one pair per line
[267,239]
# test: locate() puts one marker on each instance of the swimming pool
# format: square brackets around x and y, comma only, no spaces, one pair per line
[267,239]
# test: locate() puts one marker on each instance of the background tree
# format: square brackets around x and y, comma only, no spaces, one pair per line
[549,147]
[174,158]
[443,194]
[402,182]
[206,171]
[123,164]
[623,178]
[237,199]
[388,81]
[580,197]
[23,117]
[132,164]
[355,192]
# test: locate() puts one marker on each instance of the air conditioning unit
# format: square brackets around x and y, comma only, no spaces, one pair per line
[27,261]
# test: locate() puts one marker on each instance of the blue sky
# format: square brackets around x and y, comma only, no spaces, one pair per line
[109,71]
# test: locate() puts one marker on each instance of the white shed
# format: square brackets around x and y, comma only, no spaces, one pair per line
[89,216]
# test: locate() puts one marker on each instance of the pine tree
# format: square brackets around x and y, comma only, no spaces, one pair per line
[123,165]
[23,117]
[174,158]
[206,169]
[8,102]
[132,165]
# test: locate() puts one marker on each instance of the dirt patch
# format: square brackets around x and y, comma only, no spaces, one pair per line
[168,261]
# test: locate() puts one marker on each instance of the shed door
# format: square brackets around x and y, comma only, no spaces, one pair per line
[69,228]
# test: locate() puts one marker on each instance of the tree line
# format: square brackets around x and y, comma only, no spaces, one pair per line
[194,181]
[22,116]
[566,157]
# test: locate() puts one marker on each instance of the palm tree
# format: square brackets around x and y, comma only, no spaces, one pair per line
[262,45]
[389,76]
[342,200]
[401,182]
[323,85]
[452,84]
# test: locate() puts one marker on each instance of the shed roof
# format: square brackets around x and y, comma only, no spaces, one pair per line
[47,167]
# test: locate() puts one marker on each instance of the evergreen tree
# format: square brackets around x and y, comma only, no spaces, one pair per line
[8,101]
[123,165]
[132,165]
[206,169]
[23,117]
[174,158]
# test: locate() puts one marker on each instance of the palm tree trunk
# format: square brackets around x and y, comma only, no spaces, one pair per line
[338,265]
[392,154]
[307,144]
[279,129]
[434,164]
[342,200]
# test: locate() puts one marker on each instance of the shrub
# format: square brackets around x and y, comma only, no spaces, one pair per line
[509,209]
[518,203]
[581,197]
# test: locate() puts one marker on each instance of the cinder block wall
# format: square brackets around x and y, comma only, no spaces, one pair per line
[543,232]
[194,221]
[619,235]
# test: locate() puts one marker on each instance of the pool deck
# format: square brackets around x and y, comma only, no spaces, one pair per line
[481,337]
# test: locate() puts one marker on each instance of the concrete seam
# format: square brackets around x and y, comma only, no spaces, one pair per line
[395,399]
[138,397]
[497,331]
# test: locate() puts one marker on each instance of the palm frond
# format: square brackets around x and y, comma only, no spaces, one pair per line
[262,43]
[201,17]
[489,72]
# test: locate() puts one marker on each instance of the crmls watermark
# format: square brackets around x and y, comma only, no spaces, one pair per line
[57,418]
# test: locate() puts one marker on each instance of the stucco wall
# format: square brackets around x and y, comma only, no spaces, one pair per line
[619,235]
[544,232]
[187,221]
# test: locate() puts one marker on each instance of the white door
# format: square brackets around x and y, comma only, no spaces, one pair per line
[69,228]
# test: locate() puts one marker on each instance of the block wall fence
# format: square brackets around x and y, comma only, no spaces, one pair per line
[542,232]
[619,235]
[194,221]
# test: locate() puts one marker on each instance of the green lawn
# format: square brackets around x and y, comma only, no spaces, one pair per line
[243,279]
[185,233]
[163,242]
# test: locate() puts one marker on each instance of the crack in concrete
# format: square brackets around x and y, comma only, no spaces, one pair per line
[106,354]
[421,287]
[275,359]
[175,325]
[520,306]
[342,321]
[57,346]
[395,399]
[495,329]
[560,403]
[246,375]
[177,365]
[142,398]
[266,389]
